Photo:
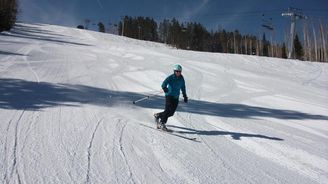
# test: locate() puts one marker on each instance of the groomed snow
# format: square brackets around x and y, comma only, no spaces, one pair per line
[67,115]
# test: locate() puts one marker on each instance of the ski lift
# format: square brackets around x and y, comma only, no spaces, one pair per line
[269,27]
[267,23]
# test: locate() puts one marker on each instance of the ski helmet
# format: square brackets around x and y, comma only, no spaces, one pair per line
[177,67]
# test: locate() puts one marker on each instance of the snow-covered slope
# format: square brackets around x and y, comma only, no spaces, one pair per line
[67,115]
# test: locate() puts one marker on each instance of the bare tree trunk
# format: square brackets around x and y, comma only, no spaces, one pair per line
[309,43]
[261,54]
[315,45]
[234,42]
[279,51]
[245,45]
[326,43]
[275,45]
[323,41]
[250,46]
[257,47]
[241,46]
[305,44]
[286,41]
[307,49]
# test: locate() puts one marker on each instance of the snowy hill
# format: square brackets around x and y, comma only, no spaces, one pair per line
[67,114]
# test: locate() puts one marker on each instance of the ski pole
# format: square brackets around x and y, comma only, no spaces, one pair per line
[147,97]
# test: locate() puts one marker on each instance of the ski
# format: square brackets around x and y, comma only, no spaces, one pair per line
[173,133]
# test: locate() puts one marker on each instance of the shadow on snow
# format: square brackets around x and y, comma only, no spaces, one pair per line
[234,135]
[35,33]
[28,95]
[10,53]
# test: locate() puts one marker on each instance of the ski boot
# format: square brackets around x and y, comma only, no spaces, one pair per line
[163,127]
[156,116]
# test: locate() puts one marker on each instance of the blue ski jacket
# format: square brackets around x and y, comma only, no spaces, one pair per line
[174,85]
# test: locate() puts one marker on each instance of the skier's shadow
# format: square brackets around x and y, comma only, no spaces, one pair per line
[234,135]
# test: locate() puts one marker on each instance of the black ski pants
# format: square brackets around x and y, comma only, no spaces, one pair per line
[171,105]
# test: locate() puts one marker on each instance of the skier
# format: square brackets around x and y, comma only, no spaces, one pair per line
[171,86]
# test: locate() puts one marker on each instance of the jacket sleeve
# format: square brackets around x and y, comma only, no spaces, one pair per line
[166,82]
[183,89]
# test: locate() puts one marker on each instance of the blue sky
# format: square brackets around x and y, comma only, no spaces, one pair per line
[244,15]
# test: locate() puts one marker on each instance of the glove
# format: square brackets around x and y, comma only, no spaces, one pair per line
[185,99]
[165,90]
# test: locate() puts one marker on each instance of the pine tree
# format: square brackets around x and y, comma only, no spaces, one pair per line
[265,46]
[143,28]
[80,27]
[224,41]
[283,51]
[163,30]
[8,13]
[299,53]
[101,27]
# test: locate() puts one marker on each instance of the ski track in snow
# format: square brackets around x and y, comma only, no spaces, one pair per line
[89,150]
[187,122]
[257,119]
[13,166]
[118,141]
[5,177]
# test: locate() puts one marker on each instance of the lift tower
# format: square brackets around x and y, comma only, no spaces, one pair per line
[295,14]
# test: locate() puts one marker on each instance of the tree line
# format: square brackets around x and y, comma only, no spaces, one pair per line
[315,41]
[194,36]
[8,14]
